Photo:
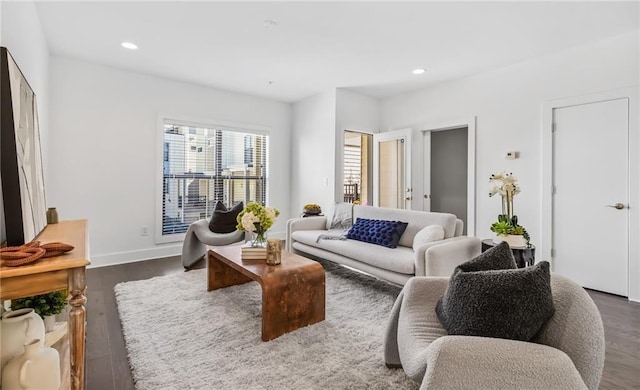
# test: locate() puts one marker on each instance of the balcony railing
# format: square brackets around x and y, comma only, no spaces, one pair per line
[351,193]
[189,197]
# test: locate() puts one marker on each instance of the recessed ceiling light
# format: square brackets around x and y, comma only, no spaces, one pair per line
[419,71]
[129,45]
[269,24]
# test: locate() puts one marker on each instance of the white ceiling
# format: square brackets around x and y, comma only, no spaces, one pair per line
[368,47]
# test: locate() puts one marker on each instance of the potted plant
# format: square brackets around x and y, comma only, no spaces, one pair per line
[507,228]
[45,305]
[311,209]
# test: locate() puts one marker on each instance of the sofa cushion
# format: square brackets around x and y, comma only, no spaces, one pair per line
[428,234]
[504,303]
[497,257]
[376,231]
[400,259]
[224,220]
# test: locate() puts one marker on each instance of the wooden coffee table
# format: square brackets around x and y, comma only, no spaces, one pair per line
[293,293]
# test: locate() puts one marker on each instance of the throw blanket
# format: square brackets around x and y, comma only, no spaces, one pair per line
[342,216]
[336,234]
[340,223]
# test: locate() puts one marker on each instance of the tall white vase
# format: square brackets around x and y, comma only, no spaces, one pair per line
[17,328]
[37,368]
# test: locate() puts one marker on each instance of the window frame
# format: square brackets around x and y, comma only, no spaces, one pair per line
[184,120]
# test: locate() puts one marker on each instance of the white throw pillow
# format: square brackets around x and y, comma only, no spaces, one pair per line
[428,234]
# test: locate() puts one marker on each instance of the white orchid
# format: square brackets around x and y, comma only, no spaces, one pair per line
[505,185]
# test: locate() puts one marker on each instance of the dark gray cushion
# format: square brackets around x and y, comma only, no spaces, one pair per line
[497,257]
[223,220]
[511,303]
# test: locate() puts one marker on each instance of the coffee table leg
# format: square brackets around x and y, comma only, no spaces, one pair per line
[219,275]
[292,301]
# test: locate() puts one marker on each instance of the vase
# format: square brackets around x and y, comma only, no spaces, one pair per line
[49,323]
[37,368]
[52,215]
[513,240]
[259,239]
[17,328]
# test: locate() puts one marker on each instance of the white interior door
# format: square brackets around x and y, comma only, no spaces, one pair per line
[392,169]
[590,221]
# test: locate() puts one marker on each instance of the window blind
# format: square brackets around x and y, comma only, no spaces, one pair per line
[206,164]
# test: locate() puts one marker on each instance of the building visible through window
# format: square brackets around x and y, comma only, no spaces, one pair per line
[203,165]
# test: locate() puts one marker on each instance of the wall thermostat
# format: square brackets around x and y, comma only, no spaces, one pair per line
[511,155]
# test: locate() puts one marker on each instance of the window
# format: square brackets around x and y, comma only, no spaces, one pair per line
[203,165]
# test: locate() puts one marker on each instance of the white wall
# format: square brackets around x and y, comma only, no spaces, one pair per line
[313,152]
[104,127]
[507,104]
[354,112]
[21,34]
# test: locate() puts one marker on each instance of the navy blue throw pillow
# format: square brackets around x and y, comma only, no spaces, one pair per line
[376,231]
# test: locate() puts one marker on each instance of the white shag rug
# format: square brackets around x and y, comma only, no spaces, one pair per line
[179,336]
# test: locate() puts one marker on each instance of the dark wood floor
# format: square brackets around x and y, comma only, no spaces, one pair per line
[107,366]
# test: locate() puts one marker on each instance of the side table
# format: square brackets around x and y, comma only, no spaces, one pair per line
[525,256]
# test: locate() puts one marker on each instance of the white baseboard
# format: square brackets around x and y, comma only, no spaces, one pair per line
[148,254]
[133,256]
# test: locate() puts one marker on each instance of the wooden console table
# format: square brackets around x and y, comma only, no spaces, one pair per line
[54,274]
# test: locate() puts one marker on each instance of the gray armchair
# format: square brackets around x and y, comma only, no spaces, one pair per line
[567,353]
[198,236]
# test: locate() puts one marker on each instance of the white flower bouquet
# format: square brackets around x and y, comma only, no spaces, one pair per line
[257,219]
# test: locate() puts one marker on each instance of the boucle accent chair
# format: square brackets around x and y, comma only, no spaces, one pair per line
[198,236]
[567,353]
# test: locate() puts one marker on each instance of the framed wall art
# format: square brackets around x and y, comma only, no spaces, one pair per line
[21,171]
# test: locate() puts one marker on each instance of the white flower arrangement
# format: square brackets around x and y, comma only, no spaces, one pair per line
[506,185]
[257,218]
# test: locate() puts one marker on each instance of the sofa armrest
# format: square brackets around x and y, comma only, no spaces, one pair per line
[465,362]
[440,258]
[309,223]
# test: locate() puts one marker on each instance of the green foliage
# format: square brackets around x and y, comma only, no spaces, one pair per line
[506,227]
[256,217]
[45,304]
[501,227]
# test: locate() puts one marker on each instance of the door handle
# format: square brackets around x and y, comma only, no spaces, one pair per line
[617,206]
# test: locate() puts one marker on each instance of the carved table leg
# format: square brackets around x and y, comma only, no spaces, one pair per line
[77,322]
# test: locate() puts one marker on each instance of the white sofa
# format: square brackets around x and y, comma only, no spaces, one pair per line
[396,265]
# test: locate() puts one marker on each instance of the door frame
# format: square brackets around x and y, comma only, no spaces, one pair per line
[470,124]
[388,136]
[546,178]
